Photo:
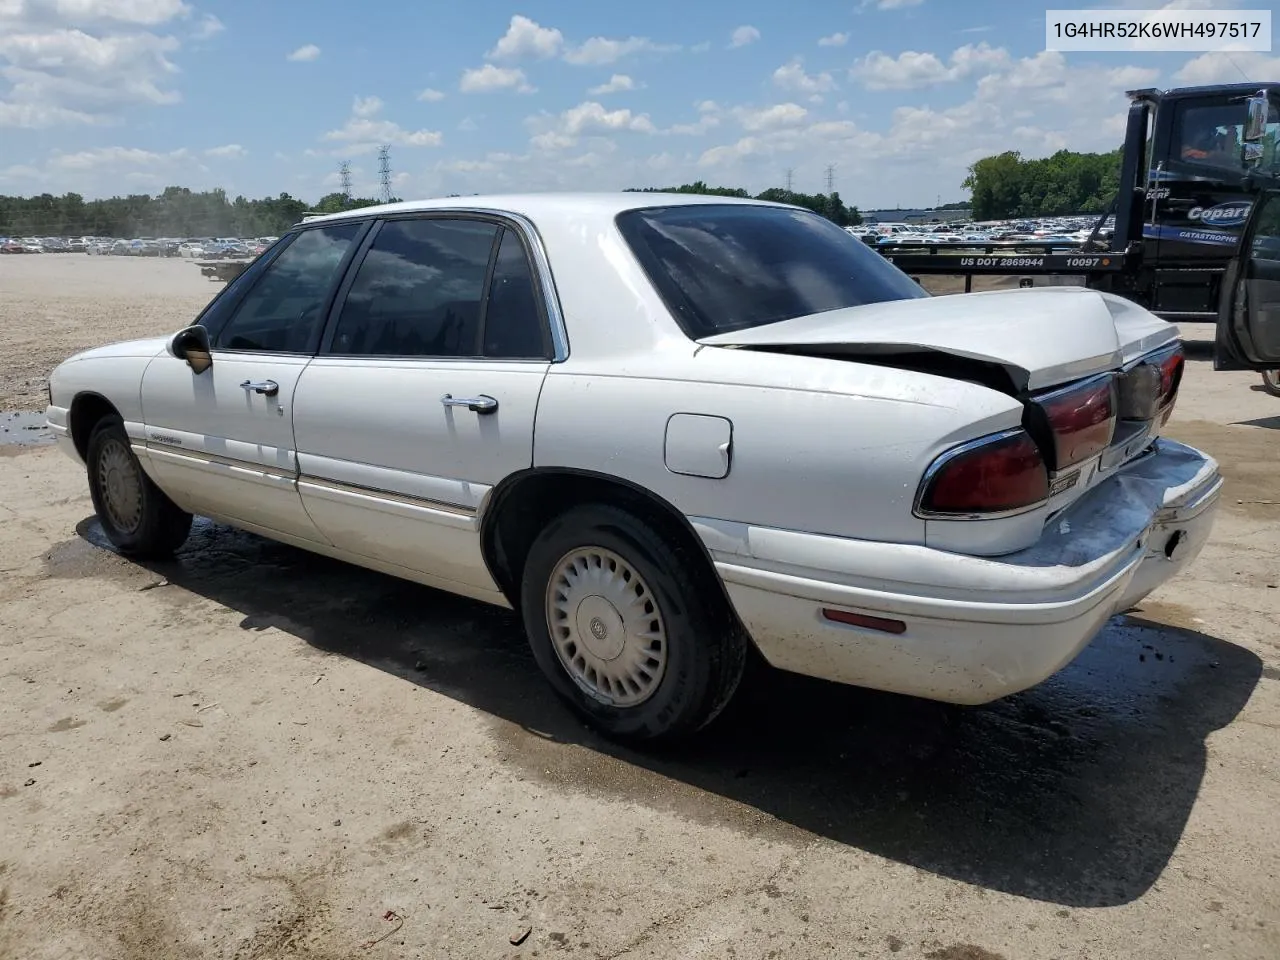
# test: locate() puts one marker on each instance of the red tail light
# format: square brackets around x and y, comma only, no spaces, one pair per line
[1081,419]
[998,474]
[1171,366]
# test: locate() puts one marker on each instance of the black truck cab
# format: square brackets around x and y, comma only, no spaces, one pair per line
[1198,192]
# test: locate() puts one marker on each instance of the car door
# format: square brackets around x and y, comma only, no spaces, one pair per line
[1248,335]
[423,395]
[221,441]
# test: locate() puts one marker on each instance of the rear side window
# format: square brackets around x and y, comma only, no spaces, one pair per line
[721,267]
[513,327]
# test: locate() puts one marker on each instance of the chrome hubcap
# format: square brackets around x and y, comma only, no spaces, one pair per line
[606,627]
[120,486]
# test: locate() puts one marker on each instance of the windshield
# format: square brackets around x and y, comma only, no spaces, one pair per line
[729,267]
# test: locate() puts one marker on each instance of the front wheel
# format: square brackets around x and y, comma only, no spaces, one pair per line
[135,514]
[1271,382]
[629,629]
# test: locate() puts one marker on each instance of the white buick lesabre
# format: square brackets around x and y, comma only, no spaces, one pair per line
[664,428]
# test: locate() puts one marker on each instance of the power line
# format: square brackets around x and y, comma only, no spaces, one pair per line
[384,171]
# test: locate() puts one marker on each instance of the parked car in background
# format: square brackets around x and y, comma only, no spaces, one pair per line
[663,429]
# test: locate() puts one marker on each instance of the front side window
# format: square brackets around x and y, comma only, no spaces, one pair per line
[1210,135]
[419,291]
[281,313]
[729,267]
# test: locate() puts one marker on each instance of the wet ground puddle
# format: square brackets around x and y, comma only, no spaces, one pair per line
[24,429]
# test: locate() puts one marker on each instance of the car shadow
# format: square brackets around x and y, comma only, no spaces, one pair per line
[1266,423]
[1075,792]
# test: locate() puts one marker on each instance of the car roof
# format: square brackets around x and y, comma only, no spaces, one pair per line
[539,206]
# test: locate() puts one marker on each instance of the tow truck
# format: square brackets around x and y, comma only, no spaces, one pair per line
[1180,213]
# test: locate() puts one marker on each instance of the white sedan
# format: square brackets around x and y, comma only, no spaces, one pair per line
[663,429]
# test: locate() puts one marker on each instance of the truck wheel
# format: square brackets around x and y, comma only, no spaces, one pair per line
[1271,382]
[620,627]
[135,514]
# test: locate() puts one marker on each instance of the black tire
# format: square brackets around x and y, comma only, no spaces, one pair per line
[704,647]
[1271,382]
[135,514]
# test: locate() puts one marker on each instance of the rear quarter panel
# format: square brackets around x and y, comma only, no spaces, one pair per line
[818,445]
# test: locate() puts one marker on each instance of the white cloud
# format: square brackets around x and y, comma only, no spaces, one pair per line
[592,115]
[489,78]
[708,119]
[892,4]
[1227,68]
[912,70]
[833,40]
[118,169]
[744,35]
[771,118]
[997,101]
[601,51]
[430,95]
[60,75]
[365,130]
[525,38]
[86,159]
[231,151]
[304,54]
[792,77]
[616,84]
[366,106]
[552,140]
[143,13]
[209,26]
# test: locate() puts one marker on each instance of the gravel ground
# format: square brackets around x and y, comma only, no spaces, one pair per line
[254,752]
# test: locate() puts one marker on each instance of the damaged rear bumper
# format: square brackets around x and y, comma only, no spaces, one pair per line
[972,629]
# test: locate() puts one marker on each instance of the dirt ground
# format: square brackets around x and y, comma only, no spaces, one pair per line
[252,752]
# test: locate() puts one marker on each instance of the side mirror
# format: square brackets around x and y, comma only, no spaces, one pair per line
[1255,124]
[192,345]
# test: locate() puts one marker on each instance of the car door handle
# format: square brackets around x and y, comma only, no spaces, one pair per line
[267,388]
[480,404]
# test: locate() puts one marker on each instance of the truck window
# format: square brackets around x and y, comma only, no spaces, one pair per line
[1209,135]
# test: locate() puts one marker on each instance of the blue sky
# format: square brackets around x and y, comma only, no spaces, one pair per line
[115,96]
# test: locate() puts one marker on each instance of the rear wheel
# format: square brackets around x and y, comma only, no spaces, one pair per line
[630,629]
[135,514]
[1271,382]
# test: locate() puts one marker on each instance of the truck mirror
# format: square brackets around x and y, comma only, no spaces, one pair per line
[1255,124]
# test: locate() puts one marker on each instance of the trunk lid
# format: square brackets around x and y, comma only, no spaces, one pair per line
[1040,338]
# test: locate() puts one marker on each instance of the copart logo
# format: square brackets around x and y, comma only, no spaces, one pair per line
[1223,215]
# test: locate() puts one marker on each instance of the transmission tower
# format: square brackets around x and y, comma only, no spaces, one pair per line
[790,172]
[831,178]
[384,171]
[344,178]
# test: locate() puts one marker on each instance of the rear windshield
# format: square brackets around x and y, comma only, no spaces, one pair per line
[728,267]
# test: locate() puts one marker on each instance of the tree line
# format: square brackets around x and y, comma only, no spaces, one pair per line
[1003,186]
[1006,186]
[177,212]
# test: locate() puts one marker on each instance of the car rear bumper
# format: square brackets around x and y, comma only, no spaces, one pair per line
[969,629]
